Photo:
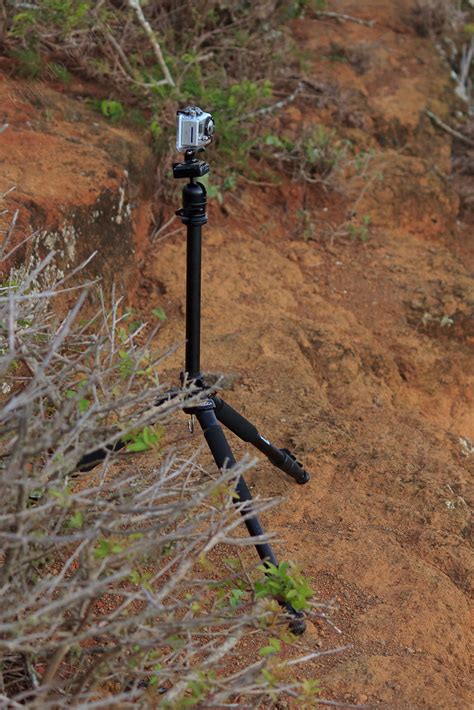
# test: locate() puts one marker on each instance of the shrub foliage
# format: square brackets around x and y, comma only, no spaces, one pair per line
[109,588]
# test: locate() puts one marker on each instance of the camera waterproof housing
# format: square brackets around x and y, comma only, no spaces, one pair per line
[194,129]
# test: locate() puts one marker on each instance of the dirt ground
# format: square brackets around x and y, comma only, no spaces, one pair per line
[342,316]
[355,350]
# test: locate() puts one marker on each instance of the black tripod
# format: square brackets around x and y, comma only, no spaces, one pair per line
[213,411]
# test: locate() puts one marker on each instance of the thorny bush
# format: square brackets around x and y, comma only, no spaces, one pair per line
[108,593]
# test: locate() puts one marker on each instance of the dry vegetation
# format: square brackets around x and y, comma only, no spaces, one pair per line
[107,588]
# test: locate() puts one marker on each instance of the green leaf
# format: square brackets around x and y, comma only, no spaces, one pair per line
[137,446]
[159,313]
[236,596]
[83,405]
[103,549]
[274,645]
[274,141]
[76,521]
[155,129]
[113,110]
[229,183]
[143,440]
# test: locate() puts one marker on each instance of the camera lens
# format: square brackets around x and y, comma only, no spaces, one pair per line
[209,127]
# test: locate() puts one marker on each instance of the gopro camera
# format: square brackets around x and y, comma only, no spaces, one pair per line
[194,128]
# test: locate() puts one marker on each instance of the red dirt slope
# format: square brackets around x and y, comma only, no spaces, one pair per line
[356,351]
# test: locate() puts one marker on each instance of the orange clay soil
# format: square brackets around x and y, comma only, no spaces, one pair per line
[348,342]
[355,351]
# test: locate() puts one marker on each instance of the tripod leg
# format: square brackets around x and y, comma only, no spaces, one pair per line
[245,430]
[223,456]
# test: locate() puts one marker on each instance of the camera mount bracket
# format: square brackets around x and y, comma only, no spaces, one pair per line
[191,167]
[193,211]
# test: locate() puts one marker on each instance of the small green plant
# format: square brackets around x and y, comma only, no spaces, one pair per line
[337,53]
[218,189]
[144,440]
[279,142]
[159,313]
[197,690]
[284,583]
[236,597]
[315,156]
[224,59]
[59,71]
[322,152]
[121,551]
[29,61]
[444,321]
[76,520]
[83,403]
[111,109]
[155,129]
[308,228]
[298,8]
[273,646]
[105,548]
[361,230]
[64,15]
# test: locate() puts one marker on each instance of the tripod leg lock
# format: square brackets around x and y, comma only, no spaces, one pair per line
[245,430]
[291,466]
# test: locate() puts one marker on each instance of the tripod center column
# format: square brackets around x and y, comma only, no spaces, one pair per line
[193,215]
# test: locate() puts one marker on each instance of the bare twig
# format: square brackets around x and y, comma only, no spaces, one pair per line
[101,575]
[127,69]
[135,5]
[444,126]
[344,18]
[274,107]
[156,232]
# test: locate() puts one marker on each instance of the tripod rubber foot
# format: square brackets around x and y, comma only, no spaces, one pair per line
[297,622]
[293,467]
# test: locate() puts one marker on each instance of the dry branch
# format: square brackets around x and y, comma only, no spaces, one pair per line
[105,576]
[344,18]
[276,106]
[135,5]
[452,131]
